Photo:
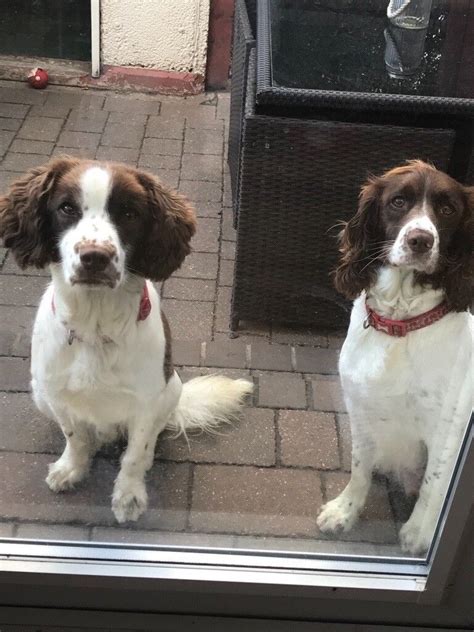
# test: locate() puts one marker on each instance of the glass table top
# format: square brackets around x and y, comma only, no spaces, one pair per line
[352,46]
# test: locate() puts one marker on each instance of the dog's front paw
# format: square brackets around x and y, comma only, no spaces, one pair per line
[337,516]
[129,500]
[415,537]
[64,475]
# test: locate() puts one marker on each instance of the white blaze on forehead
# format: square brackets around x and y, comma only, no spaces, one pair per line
[95,187]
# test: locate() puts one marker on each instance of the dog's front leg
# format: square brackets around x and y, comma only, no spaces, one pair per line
[340,514]
[129,499]
[73,464]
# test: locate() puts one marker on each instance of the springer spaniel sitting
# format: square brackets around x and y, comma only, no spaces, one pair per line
[406,365]
[101,350]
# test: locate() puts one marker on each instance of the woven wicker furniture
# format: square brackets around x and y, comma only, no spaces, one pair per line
[296,169]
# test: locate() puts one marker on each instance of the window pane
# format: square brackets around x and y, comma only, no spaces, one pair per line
[349,440]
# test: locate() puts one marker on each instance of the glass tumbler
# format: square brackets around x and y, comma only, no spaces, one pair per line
[409,14]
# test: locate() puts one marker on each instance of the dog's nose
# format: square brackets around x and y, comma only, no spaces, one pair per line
[95,258]
[420,241]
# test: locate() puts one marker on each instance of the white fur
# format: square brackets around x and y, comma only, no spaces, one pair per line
[402,393]
[111,377]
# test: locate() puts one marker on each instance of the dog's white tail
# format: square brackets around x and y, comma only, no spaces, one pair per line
[208,401]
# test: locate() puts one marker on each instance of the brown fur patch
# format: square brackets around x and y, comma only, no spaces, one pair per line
[168,367]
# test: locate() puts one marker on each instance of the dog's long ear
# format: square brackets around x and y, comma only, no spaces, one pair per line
[172,223]
[358,243]
[457,278]
[25,224]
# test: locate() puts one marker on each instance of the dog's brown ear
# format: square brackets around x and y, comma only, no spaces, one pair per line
[457,276]
[25,224]
[358,244]
[171,224]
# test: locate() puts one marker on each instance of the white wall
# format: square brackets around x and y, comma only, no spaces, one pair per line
[162,34]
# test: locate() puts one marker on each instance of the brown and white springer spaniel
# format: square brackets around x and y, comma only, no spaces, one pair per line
[101,349]
[406,365]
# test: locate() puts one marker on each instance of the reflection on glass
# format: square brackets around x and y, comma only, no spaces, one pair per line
[409,14]
[404,51]
[406,365]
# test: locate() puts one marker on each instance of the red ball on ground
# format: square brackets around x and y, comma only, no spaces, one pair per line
[38,78]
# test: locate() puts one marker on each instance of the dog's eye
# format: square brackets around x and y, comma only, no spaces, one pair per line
[129,214]
[68,209]
[398,201]
[446,210]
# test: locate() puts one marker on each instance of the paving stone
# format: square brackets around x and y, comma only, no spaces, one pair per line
[3,255]
[228,230]
[120,135]
[165,127]
[160,163]
[208,209]
[264,355]
[13,110]
[201,191]
[162,146]
[190,372]
[80,152]
[24,429]
[198,265]
[15,345]
[335,342]
[81,140]
[186,352]
[129,118]
[248,441]
[308,439]
[118,154]
[327,395]
[6,138]
[189,320]
[22,95]
[226,354]
[14,374]
[11,124]
[24,494]
[6,529]
[281,390]
[63,533]
[196,113]
[204,121]
[203,141]
[228,252]
[86,120]
[21,162]
[201,167]
[223,106]
[40,128]
[316,360]
[298,336]
[190,289]
[376,522]
[10,267]
[21,290]
[32,147]
[132,104]
[52,110]
[345,441]
[136,536]
[69,98]
[226,272]
[206,238]
[7,177]
[249,500]
[223,308]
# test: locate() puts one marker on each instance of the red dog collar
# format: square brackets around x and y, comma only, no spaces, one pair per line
[401,328]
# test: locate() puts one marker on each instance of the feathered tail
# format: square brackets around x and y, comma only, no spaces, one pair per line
[208,401]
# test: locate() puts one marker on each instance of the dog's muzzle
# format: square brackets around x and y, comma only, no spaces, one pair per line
[96,264]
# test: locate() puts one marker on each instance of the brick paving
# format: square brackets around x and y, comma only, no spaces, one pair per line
[259,483]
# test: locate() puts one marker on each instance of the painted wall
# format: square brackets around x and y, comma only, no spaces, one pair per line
[163,34]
